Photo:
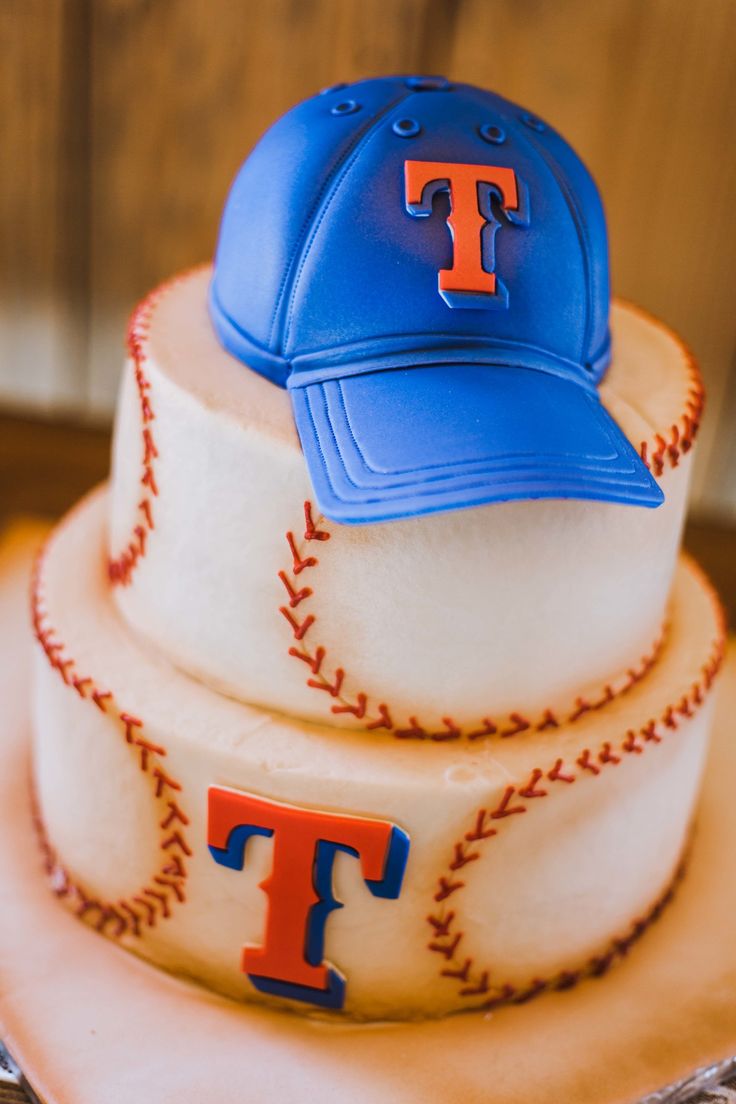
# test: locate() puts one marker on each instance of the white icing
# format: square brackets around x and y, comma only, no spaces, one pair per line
[550,890]
[518,606]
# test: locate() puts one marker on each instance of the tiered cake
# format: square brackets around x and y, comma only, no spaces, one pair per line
[479,730]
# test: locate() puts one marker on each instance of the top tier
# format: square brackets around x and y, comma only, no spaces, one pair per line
[476,621]
[424,266]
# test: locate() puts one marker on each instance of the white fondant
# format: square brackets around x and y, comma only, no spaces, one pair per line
[517,606]
[550,890]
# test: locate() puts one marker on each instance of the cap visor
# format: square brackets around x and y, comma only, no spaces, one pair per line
[411,441]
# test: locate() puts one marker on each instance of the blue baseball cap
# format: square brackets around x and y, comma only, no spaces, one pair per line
[424,266]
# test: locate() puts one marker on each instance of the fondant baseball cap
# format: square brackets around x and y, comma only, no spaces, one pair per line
[424,266]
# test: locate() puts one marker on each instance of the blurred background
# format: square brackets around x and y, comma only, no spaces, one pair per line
[123,122]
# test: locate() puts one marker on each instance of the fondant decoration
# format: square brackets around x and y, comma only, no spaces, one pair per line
[325,283]
[472,280]
[143,907]
[334,682]
[290,962]
[641,757]
[380,594]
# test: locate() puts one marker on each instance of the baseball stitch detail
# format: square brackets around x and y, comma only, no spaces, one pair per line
[381,715]
[121,567]
[665,449]
[153,902]
[478,984]
[446,937]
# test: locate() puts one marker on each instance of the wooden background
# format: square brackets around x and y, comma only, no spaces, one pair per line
[123,122]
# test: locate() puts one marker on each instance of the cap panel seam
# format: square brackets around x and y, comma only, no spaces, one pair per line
[577,219]
[581,230]
[324,199]
[484,460]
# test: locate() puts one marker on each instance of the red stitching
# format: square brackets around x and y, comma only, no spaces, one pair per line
[332,688]
[530,790]
[441,926]
[518,724]
[295,596]
[606,755]
[480,832]
[311,532]
[503,810]
[414,732]
[444,923]
[174,813]
[585,762]
[449,950]
[446,887]
[381,715]
[460,972]
[488,729]
[357,708]
[463,857]
[171,875]
[667,447]
[121,567]
[300,628]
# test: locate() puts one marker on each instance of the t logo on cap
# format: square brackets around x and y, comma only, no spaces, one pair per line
[290,962]
[472,281]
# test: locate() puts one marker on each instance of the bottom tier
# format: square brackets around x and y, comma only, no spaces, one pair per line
[217,839]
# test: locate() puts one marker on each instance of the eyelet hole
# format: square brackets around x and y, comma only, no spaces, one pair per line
[491,132]
[533,122]
[345,107]
[406,128]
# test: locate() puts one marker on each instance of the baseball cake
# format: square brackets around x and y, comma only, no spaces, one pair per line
[374,685]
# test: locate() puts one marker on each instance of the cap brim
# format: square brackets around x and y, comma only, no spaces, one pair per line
[409,441]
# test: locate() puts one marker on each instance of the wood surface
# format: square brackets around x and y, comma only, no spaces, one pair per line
[124,121]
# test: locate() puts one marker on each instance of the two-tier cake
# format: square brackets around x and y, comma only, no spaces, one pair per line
[373,682]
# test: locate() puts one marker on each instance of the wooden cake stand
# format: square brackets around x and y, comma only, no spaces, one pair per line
[90,1024]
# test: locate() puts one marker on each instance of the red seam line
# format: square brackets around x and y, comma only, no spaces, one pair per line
[382,716]
[442,924]
[122,566]
[103,914]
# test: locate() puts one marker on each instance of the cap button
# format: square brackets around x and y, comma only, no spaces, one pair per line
[428,84]
[533,122]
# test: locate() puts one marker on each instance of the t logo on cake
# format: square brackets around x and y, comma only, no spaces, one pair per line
[289,962]
[472,281]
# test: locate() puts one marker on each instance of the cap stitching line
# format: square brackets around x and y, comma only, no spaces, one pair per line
[433,467]
[558,366]
[381,715]
[433,491]
[325,198]
[683,431]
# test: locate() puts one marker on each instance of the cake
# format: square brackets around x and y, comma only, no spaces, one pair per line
[374,685]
